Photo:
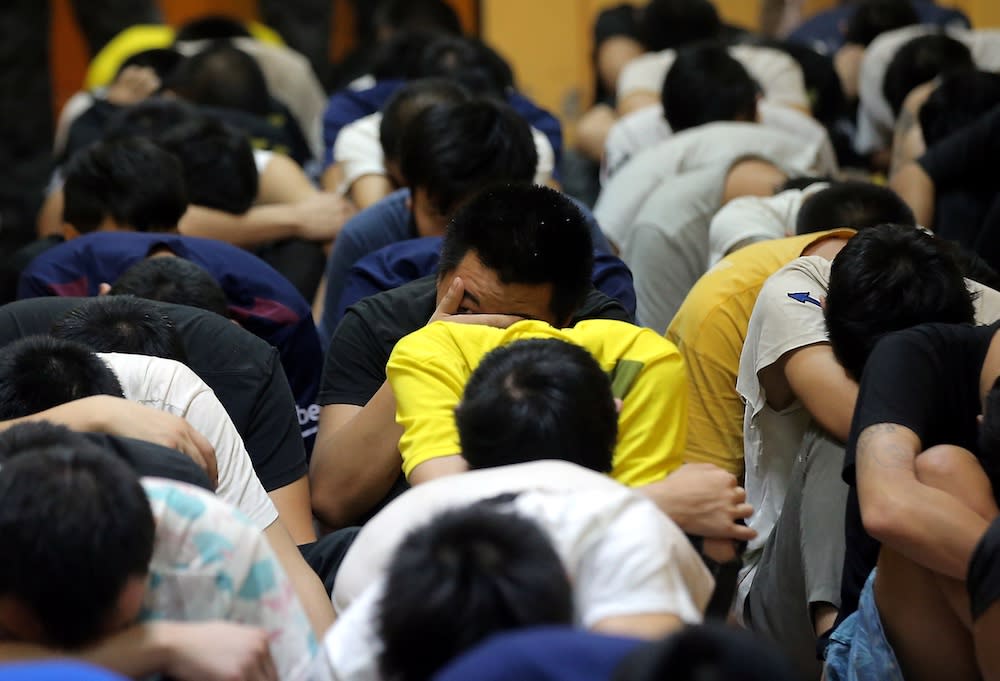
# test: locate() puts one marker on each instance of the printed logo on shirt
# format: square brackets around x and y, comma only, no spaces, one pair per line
[804,297]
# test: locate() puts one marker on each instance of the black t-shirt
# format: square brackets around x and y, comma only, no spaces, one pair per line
[926,379]
[243,370]
[961,167]
[152,460]
[354,368]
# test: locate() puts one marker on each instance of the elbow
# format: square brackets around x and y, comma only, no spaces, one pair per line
[885,518]
[329,504]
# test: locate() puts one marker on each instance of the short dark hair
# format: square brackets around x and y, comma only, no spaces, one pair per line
[872,18]
[454,150]
[131,180]
[75,525]
[173,280]
[960,99]
[920,60]
[467,574]
[41,372]
[225,77]
[122,324]
[669,24]
[409,100]
[706,84]
[888,278]
[527,234]
[703,652]
[150,117]
[431,15]
[469,62]
[399,57]
[212,27]
[217,162]
[163,61]
[853,204]
[538,399]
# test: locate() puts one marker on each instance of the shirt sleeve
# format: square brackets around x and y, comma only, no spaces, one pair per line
[238,482]
[358,149]
[354,368]
[751,218]
[645,73]
[643,564]
[428,372]
[274,438]
[898,386]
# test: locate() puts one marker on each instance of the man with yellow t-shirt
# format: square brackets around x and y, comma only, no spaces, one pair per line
[711,325]
[428,371]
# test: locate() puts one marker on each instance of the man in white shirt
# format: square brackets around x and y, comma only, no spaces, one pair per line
[69,371]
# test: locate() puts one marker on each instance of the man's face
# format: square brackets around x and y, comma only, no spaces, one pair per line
[19,623]
[429,221]
[486,294]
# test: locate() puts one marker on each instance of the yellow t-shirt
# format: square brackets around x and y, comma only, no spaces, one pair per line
[428,370]
[709,330]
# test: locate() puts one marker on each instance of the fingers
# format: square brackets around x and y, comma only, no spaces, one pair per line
[499,321]
[268,670]
[738,532]
[206,451]
[742,511]
[451,300]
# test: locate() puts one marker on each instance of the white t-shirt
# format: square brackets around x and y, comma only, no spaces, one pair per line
[780,324]
[709,145]
[359,151]
[638,130]
[623,555]
[756,218]
[170,386]
[779,75]
[875,117]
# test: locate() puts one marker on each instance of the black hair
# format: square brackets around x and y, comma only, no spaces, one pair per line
[853,204]
[538,399]
[888,278]
[470,62]
[163,61]
[173,280]
[399,57]
[467,574]
[212,27]
[122,324]
[706,84]
[217,162]
[150,117]
[710,652]
[75,525]
[41,372]
[960,99]
[432,15]
[409,100]
[872,18]
[225,77]
[133,181]
[452,151]
[669,24]
[920,60]
[527,234]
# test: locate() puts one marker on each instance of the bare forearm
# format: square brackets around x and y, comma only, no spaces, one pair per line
[355,463]
[139,651]
[916,188]
[257,226]
[310,590]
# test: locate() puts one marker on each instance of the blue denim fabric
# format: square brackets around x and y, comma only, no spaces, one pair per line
[858,649]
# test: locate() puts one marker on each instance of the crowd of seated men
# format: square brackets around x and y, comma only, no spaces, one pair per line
[389,383]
